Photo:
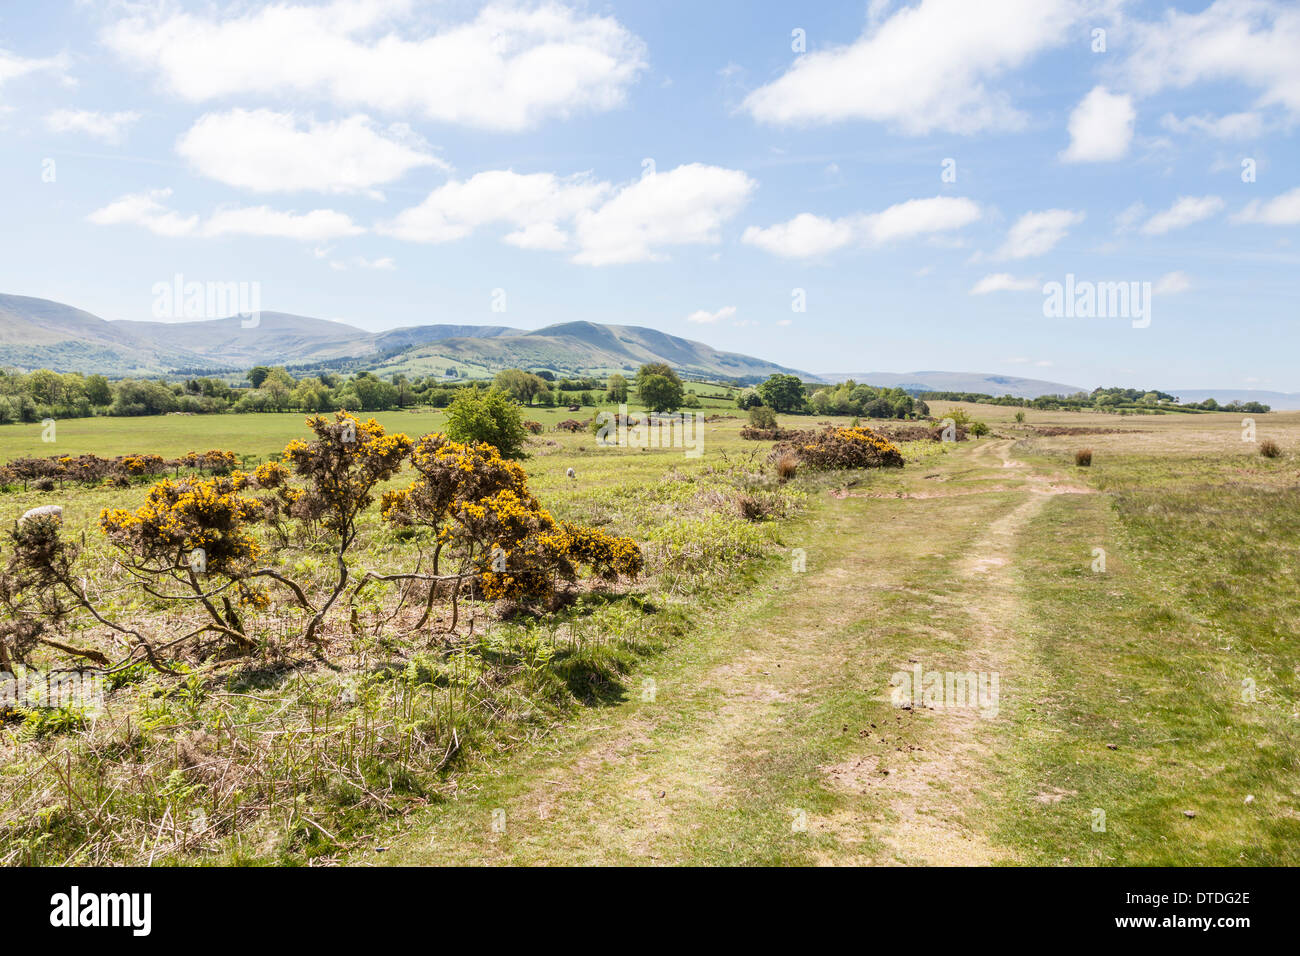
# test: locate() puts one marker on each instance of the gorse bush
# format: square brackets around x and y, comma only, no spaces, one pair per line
[283,539]
[834,448]
[475,504]
[90,469]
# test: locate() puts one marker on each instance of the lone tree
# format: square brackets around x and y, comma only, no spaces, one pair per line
[520,385]
[659,388]
[617,389]
[487,415]
[783,393]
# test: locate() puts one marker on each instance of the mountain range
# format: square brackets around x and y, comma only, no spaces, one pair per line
[38,333]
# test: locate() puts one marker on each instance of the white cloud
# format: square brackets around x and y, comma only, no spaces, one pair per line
[806,235]
[110,127]
[1002,282]
[1283,210]
[535,203]
[1251,42]
[601,223]
[149,211]
[924,68]
[684,206]
[314,226]
[510,68]
[267,151]
[705,317]
[13,66]
[917,217]
[1036,233]
[543,236]
[802,237]
[1185,211]
[1172,283]
[1101,127]
[1234,126]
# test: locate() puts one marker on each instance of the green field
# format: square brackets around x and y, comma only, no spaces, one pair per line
[728,708]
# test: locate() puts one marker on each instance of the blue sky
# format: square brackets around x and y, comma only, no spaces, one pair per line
[390,163]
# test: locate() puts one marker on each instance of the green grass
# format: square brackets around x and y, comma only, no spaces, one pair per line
[771,688]
[1198,597]
[316,754]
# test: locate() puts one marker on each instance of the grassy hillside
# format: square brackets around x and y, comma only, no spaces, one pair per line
[37,333]
[576,348]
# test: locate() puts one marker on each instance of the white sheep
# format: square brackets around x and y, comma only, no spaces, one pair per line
[43,510]
[571,473]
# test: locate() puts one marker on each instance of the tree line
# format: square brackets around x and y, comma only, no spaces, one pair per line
[1108,399]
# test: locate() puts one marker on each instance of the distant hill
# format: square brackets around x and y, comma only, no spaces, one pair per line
[579,348]
[987,384]
[419,334]
[38,333]
[277,339]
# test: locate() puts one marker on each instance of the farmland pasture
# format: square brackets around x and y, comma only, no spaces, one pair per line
[1161,686]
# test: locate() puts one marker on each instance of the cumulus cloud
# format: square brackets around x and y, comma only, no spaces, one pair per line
[1036,233]
[535,203]
[149,211]
[1283,210]
[601,223]
[1250,42]
[314,226]
[927,67]
[1185,211]
[109,127]
[684,206]
[1101,127]
[13,66]
[802,237]
[545,236]
[509,68]
[265,151]
[1002,282]
[705,317]
[806,235]
[917,217]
